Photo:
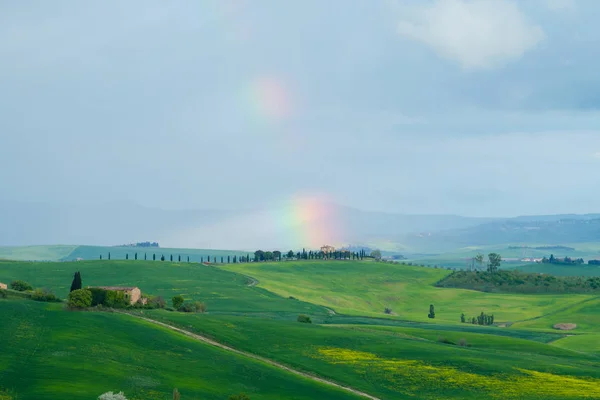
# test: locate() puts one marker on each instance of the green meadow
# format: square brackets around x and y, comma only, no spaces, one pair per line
[48,352]
[41,253]
[221,290]
[407,362]
[367,288]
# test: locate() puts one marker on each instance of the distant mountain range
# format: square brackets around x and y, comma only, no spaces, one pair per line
[111,224]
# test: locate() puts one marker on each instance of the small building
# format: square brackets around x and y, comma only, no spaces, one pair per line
[3,286]
[132,294]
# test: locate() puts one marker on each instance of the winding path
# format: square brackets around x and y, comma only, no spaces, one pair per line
[255,357]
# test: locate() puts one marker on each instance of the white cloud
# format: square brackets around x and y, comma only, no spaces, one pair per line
[476,34]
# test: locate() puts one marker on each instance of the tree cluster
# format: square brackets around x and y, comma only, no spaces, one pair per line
[481,319]
[507,281]
[562,261]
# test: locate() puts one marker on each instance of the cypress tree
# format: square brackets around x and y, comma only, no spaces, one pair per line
[145,256]
[136,256]
[180,258]
[101,256]
[109,255]
[171,257]
[221,260]
[154,257]
[462,317]
[76,284]
[431,312]
[127,256]
[188,258]
[228,259]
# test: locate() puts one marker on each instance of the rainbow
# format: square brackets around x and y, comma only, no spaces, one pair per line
[309,221]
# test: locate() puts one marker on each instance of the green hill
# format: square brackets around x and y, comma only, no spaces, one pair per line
[401,355]
[48,353]
[366,288]
[221,290]
[36,253]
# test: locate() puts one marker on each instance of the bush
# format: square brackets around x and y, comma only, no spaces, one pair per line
[98,296]
[463,343]
[241,396]
[156,302]
[112,396]
[115,299]
[305,319]
[177,301]
[387,310]
[20,286]
[3,294]
[44,295]
[80,298]
[192,307]
[442,339]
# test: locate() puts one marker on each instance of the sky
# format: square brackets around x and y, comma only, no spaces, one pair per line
[476,108]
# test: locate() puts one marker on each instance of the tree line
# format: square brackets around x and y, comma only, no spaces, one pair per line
[260,256]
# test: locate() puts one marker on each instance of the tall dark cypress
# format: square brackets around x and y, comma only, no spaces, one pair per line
[76,284]
[180,258]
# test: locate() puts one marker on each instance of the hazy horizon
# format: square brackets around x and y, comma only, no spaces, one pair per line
[446,107]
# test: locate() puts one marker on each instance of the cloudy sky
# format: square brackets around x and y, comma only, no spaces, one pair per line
[483,107]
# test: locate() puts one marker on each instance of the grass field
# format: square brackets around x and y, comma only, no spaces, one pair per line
[405,362]
[38,253]
[221,290]
[47,353]
[389,356]
[366,288]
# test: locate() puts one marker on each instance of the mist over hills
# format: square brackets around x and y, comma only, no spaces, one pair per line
[117,223]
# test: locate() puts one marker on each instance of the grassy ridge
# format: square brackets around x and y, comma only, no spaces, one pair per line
[47,353]
[366,288]
[221,290]
[36,253]
[118,253]
[403,362]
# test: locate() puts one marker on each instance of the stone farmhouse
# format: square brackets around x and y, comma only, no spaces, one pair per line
[132,294]
[3,285]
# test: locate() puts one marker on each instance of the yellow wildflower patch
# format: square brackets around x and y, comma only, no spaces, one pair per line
[418,377]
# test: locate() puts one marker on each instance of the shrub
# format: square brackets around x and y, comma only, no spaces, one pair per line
[443,339]
[387,310]
[115,299]
[80,298]
[241,396]
[463,343]
[305,319]
[156,302]
[98,296]
[177,301]
[44,295]
[112,396]
[200,307]
[192,307]
[3,294]
[20,286]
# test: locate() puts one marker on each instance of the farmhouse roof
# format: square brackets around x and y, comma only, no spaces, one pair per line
[117,288]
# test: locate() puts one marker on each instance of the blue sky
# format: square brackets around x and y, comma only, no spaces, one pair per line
[486,108]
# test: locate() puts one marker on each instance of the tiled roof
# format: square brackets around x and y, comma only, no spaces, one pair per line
[116,288]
